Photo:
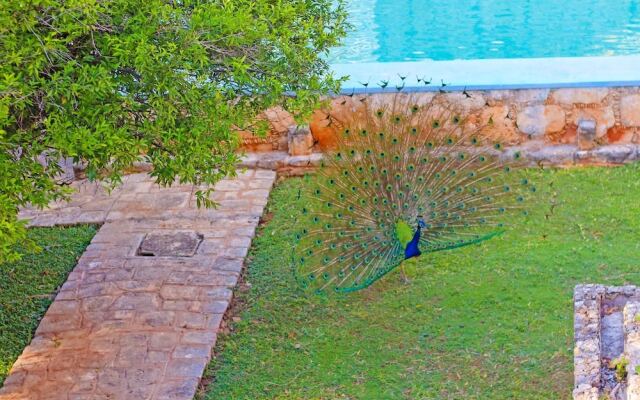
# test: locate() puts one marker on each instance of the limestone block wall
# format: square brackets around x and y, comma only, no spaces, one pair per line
[582,118]
[553,116]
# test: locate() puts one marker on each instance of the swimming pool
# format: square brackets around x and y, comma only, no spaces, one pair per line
[413,30]
[487,44]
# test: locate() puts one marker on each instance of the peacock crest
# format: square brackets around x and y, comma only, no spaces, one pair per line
[404,179]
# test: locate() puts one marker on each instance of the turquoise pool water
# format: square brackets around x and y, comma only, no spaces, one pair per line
[413,30]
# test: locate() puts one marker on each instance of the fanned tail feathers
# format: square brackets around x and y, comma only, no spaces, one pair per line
[400,161]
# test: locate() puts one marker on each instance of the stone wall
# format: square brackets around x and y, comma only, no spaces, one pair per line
[583,117]
[554,116]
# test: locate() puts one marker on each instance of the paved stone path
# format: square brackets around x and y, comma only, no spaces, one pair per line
[126,326]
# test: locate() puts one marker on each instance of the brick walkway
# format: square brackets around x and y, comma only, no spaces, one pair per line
[126,326]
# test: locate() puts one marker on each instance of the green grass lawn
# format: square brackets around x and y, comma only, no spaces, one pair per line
[491,321]
[28,286]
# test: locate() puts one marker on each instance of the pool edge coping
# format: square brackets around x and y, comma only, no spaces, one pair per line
[490,74]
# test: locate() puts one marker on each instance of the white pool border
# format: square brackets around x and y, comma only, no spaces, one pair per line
[491,74]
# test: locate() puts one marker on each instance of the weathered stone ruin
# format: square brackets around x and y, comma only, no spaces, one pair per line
[607,342]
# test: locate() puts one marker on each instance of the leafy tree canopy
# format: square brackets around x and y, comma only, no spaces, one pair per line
[106,81]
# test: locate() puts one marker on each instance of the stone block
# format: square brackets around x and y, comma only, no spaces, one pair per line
[579,95]
[630,110]
[299,140]
[603,116]
[170,244]
[190,368]
[192,351]
[540,120]
[586,133]
[499,127]
[180,389]
[207,337]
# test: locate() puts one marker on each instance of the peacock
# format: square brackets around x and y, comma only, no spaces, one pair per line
[407,177]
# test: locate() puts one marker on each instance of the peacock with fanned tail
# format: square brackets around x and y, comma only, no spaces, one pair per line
[405,179]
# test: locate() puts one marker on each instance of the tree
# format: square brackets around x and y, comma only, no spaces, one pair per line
[109,81]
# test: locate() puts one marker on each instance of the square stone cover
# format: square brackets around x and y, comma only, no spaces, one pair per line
[170,244]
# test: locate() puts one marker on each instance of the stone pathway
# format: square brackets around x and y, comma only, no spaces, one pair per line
[131,326]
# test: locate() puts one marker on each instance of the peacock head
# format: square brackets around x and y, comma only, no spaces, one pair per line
[405,233]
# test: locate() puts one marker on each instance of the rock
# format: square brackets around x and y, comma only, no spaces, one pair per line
[580,95]
[620,134]
[326,124]
[323,131]
[586,392]
[175,244]
[630,110]
[531,95]
[603,116]
[280,120]
[615,154]
[499,127]
[586,132]
[520,96]
[251,142]
[464,103]
[540,120]
[556,155]
[65,164]
[300,140]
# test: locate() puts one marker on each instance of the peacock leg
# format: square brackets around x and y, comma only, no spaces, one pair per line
[403,275]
